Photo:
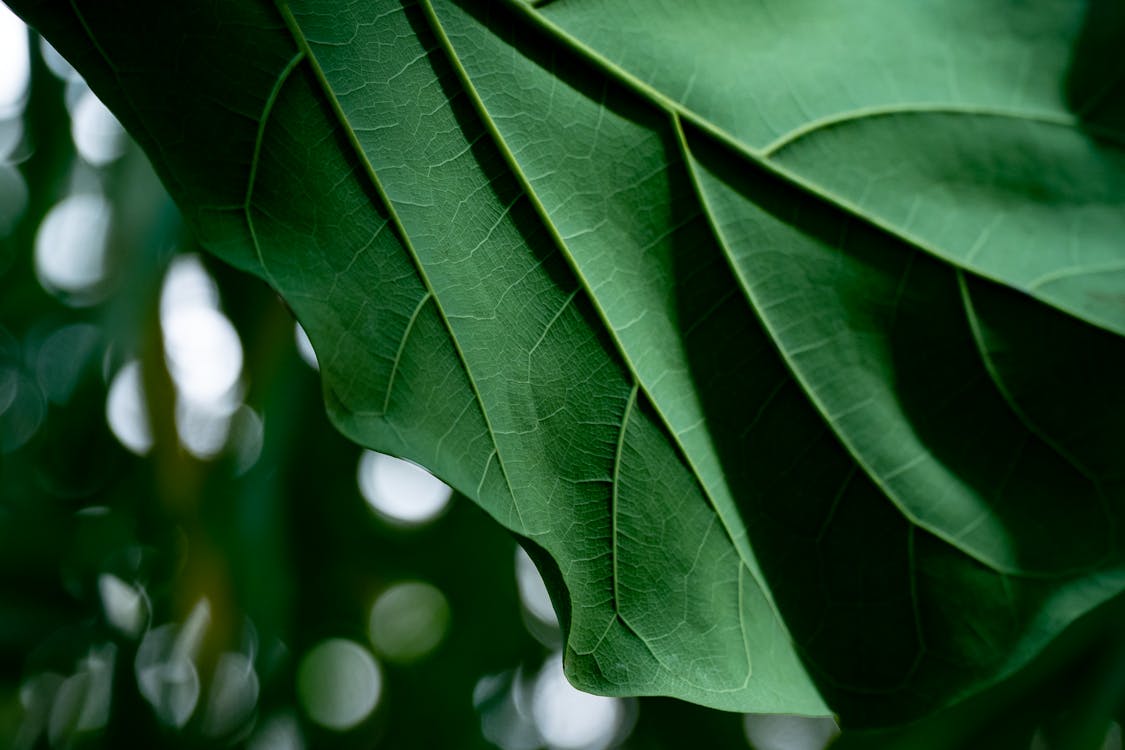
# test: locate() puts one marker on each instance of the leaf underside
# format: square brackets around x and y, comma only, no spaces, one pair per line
[789,331]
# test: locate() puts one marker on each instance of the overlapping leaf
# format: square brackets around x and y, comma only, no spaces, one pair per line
[785,333]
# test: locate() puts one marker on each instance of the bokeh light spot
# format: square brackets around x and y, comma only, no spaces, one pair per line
[339,684]
[70,248]
[203,428]
[788,732]
[125,607]
[165,667]
[204,353]
[305,347]
[248,434]
[15,63]
[569,719]
[233,695]
[204,356]
[56,63]
[408,621]
[82,703]
[170,685]
[1113,738]
[401,491]
[126,412]
[533,592]
[98,136]
[186,285]
[504,703]
[278,732]
[11,136]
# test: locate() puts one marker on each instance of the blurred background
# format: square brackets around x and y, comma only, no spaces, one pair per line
[190,555]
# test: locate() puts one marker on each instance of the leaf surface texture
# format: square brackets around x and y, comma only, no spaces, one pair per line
[789,331]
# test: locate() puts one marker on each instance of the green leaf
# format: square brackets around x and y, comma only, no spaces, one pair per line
[1002,114]
[722,306]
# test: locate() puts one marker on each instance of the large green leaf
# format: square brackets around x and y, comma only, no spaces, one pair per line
[721,306]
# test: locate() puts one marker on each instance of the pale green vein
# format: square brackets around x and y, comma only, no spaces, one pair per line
[1055,119]
[1025,419]
[639,387]
[729,524]
[760,157]
[401,347]
[251,181]
[1069,273]
[478,103]
[997,381]
[369,169]
[743,569]
[791,365]
[267,109]
[615,498]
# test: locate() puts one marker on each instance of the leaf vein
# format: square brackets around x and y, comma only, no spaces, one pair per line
[303,43]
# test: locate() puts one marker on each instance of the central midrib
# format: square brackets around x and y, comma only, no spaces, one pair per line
[303,44]
[729,524]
